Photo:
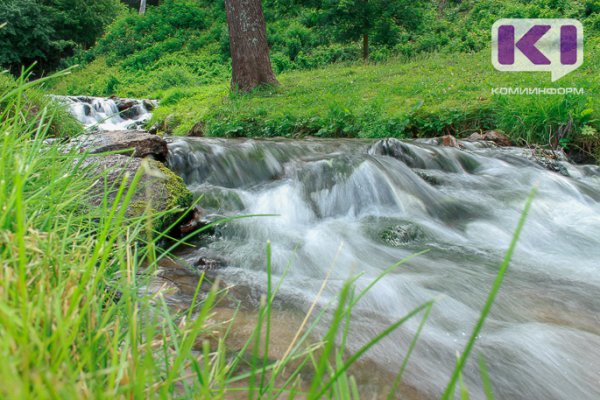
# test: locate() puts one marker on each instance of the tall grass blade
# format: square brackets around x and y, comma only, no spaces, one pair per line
[448,393]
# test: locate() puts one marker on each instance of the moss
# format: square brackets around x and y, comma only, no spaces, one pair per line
[173,195]
[137,208]
[179,195]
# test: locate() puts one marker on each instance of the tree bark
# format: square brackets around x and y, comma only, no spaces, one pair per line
[441,6]
[365,47]
[142,7]
[248,45]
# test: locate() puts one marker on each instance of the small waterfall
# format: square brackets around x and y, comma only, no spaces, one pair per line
[364,205]
[109,114]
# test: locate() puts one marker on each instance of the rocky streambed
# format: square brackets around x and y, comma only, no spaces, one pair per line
[118,146]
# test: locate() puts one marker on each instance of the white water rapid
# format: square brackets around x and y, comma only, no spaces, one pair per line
[364,205]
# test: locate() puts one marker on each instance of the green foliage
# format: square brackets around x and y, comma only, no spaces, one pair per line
[45,31]
[28,37]
[162,30]
[450,94]
[34,102]
[384,21]
[543,120]
[135,4]
[183,61]
[190,38]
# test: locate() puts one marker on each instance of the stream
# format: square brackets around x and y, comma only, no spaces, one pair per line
[357,207]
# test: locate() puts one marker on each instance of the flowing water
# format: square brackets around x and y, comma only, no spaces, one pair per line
[105,114]
[357,207]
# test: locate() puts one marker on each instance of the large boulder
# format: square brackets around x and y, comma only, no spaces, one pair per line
[134,143]
[158,189]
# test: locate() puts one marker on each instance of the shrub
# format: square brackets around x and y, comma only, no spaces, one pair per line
[44,31]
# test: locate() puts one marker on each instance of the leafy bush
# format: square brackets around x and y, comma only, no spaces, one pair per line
[45,31]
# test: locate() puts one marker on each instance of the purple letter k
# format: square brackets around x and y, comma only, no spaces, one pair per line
[506,50]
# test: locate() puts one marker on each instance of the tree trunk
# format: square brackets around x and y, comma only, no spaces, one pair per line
[142,7]
[441,6]
[248,45]
[365,28]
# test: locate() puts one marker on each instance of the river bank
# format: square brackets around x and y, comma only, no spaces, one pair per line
[451,94]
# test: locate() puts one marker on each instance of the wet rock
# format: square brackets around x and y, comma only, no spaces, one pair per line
[393,232]
[149,105]
[398,235]
[430,178]
[196,221]
[123,104]
[424,157]
[219,199]
[449,141]
[133,143]
[554,166]
[87,110]
[158,190]
[205,264]
[399,150]
[552,160]
[197,130]
[491,136]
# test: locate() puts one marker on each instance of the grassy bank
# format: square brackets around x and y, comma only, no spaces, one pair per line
[431,95]
[429,79]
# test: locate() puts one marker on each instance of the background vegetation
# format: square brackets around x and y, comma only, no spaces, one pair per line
[185,42]
[46,31]
[429,71]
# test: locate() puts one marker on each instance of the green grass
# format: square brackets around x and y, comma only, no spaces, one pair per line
[415,93]
[35,99]
[432,95]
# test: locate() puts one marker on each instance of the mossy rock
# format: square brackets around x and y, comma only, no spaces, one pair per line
[159,192]
[218,199]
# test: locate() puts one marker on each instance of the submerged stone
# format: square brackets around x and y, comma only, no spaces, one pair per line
[398,235]
[492,136]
